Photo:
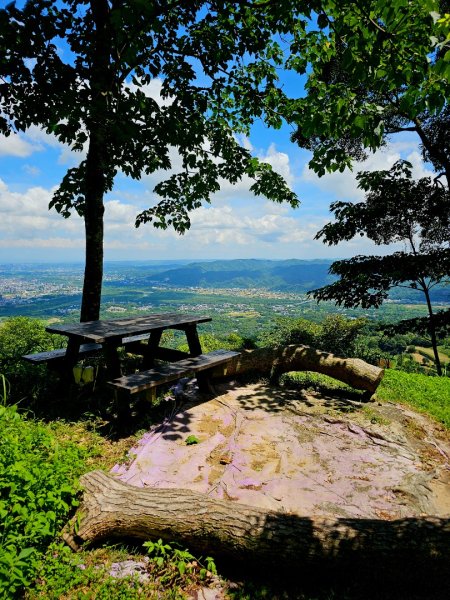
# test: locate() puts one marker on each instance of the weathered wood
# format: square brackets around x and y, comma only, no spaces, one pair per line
[148,358]
[144,380]
[111,509]
[60,355]
[275,361]
[117,329]
[134,339]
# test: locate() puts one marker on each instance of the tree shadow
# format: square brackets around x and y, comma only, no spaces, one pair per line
[276,399]
[297,557]
[172,420]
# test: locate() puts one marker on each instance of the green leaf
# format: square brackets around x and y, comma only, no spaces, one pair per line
[191,440]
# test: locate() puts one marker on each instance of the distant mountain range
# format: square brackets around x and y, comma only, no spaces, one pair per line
[292,275]
[283,275]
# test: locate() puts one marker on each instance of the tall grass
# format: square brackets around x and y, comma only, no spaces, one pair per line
[427,394]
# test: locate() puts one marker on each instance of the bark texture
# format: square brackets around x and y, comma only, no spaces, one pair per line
[276,361]
[233,531]
[96,163]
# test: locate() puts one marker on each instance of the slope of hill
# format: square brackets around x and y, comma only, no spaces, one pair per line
[286,275]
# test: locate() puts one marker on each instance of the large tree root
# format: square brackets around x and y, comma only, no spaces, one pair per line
[275,361]
[112,509]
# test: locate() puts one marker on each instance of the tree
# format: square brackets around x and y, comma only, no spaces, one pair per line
[79,69]
[374,69]
[396,209]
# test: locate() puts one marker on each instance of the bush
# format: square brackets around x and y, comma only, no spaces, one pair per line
[38,485]
[210,342]
[287,331]
[339,334]
[19,336]
[335,334]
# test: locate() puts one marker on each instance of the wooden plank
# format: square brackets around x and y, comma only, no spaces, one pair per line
[135,338]
[210,360]
[145,380]
[117,329]
[57,355]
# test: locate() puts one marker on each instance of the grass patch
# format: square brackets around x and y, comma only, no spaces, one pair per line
[98,574]
[427,394]
[428,353]
[309,380]
[444,350]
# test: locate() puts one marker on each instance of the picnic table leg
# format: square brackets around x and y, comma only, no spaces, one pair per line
[70,360]
[195,349]
[151,349]
[112,360]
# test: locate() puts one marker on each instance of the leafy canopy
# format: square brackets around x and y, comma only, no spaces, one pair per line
[76,66]
[373,68]
[396,209]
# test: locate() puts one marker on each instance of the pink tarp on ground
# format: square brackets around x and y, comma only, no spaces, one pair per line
[280,450]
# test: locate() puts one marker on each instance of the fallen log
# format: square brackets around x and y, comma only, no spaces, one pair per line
[229,530]
[276,361]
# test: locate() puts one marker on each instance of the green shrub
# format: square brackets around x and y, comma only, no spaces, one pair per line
[19,336]
[210,342]
[169,571]
[38,484]
[287,331]
[335,334]
[173,565]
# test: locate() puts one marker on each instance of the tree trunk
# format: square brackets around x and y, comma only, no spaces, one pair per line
[96,163]
[93,223]
[233,531]
[432,330]
[272,362]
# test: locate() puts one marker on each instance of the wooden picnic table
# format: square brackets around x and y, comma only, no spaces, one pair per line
[110,335]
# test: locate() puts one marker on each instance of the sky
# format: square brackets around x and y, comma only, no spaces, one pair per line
[236,224]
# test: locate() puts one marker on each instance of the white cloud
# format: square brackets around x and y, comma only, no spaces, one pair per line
[25,216]
[280,163]
[151,90]
[118,212]
[53,242]
[228,231]
[344,185]
[39,136]
[301,233]
[31,170]
[17,145]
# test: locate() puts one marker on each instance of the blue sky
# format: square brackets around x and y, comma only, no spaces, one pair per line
[235,225]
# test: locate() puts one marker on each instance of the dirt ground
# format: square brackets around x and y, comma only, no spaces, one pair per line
[297,452]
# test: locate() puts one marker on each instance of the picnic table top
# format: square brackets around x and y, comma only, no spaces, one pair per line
[103,330]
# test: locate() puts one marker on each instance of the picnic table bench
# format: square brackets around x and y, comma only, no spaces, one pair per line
[56,357]
[145,380]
